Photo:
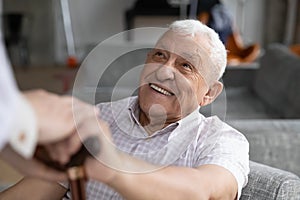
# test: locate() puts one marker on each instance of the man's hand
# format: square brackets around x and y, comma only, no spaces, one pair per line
[55,114]
[63,123]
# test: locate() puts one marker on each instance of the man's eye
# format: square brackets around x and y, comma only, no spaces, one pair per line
[159,54]
[187,66]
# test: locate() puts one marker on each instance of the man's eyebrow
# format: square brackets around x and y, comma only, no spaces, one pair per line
[194,57]
[190,57]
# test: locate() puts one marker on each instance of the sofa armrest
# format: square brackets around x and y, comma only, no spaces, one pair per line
[267,183]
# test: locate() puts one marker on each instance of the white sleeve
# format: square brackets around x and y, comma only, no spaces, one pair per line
[227,148]
[17,120]
[23,135]
[9,94]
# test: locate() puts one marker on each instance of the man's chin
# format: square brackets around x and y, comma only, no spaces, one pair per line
[157,110]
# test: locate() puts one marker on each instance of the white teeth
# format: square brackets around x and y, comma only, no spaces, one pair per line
[161,90]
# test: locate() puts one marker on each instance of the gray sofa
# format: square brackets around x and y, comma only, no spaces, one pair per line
[267,183]
[276,143]
[269,89]
[265,108]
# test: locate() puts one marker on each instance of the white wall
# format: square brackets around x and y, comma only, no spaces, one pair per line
[92,20]
[249,18]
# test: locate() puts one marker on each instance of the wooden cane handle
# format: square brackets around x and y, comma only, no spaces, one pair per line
[74,168]
[77,180]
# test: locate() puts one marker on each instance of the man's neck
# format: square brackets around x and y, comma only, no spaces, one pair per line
[152,124]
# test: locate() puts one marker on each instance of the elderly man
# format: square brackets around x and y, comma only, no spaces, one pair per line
[163,147]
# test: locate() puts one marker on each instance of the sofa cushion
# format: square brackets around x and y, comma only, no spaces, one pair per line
[267,183]
[277,80]
[273,142]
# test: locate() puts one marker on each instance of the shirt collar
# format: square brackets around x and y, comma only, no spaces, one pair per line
[193,118]
[190,119]
[134,110]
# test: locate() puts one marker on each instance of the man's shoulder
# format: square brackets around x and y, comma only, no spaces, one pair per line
[218,129]
[212,123]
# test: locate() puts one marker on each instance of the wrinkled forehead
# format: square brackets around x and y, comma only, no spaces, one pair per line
[193,49]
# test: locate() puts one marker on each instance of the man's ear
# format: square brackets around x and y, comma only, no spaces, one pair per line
[212,93]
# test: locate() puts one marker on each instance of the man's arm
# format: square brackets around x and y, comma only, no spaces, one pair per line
[136,179]
[34,189]
[205,182]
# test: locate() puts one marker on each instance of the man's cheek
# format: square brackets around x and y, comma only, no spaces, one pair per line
[184,86]
[148,71]
[188,99]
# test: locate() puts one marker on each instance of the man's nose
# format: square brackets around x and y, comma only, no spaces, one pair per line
[166,71]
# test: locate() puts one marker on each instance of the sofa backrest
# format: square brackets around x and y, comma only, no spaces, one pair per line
[273,142]
[277,81]
[267,183]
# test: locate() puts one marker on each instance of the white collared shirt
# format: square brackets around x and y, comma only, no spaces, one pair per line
[191,142]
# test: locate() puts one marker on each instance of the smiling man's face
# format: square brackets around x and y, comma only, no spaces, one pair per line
[172,84]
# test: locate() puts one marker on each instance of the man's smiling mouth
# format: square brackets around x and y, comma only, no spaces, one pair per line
[160,90]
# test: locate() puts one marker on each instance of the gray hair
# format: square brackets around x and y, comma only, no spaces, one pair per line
[217,52]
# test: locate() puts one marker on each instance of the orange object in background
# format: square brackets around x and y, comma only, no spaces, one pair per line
[295,49]
[238,53]
[67,77]
[72,62]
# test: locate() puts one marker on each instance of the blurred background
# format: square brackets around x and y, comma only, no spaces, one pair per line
[48,40]
[40,42]
[262,21]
